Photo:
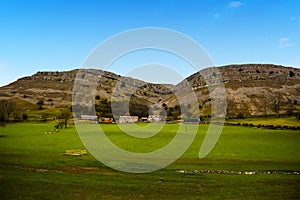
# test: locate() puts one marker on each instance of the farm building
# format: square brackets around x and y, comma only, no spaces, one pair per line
[180,121]
[128,119]
[89,117]
[192,120]
[144,119]
[107,120]
[154,118]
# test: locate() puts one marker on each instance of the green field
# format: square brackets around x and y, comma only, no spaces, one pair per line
[33,166]
[270,120]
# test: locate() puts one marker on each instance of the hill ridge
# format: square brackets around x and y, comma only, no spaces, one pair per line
[251,89]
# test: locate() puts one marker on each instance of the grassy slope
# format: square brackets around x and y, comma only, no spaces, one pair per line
[282,121]
[33,166]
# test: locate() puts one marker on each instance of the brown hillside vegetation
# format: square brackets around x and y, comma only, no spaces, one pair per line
[251,89]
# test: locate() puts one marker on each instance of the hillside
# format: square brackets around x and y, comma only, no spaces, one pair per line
[251,89]
[55,88]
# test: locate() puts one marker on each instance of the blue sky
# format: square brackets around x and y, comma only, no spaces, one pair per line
[38,35]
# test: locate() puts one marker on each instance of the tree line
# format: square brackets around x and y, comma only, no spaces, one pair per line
[11,112]
[135,107]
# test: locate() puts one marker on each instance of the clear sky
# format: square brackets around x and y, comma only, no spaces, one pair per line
[38,35]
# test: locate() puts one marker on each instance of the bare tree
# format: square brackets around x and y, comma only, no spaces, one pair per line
[291,107]
[265,104]
[7,109]
[277,103]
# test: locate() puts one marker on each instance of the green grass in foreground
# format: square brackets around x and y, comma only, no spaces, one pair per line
[32,166]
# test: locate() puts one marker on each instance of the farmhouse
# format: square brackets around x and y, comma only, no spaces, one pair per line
[128,119]
[154,118]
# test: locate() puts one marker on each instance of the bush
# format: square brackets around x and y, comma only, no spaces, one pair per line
[270,126]
[278,127]
[40,103]
[240,116]
[97,97]
[24,116]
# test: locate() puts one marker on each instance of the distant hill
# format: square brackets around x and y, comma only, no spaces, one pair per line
[254,89]
[251,89]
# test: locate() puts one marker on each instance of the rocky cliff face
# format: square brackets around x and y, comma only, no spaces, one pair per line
[251,89]
[56,88]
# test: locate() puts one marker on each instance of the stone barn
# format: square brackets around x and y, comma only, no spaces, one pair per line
[154,118]
[128,119]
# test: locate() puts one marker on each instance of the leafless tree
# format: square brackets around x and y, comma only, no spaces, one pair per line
[7,109]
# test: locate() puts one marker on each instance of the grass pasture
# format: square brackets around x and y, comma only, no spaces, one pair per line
[270,120]
[33,166]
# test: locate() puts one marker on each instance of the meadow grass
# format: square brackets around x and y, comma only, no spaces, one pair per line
[33,165]
[270,120]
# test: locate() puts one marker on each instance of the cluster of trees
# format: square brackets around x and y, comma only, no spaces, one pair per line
[135,107]
[271,105]
[172,113]
[65,115]
[103,107]
[9,111]
[279,105]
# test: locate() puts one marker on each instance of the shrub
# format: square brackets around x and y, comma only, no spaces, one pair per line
[97,97]
[240,116]
[24,116]
[40,103]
